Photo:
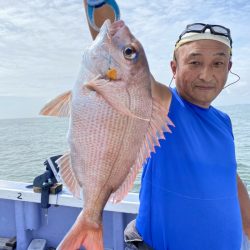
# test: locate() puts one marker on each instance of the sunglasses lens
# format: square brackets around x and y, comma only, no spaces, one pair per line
[195,27]
[220,30]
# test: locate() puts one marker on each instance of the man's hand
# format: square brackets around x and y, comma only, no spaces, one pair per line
[97,11]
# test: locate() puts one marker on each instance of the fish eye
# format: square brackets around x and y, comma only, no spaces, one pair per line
[129,52]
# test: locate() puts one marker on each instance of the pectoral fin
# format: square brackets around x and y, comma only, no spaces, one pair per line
[60,106]
[113,97]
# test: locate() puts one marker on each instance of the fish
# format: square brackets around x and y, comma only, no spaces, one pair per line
[118,114]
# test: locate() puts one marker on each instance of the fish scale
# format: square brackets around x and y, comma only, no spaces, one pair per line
[100,125]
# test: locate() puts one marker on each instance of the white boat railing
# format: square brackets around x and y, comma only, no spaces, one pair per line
[20,191]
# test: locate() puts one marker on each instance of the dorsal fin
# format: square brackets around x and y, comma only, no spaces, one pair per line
[60,106]
[158,124]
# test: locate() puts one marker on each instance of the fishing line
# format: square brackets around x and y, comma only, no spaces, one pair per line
[171,81]
[234,81]
[224,87]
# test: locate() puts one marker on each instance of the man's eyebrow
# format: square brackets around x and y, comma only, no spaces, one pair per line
[194,54]
[220,54]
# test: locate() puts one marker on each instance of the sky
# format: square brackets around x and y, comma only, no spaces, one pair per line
[42,41]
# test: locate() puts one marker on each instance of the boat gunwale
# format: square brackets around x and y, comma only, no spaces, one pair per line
[13,190]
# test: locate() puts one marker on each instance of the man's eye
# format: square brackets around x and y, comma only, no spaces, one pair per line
[218,63]
[195,63]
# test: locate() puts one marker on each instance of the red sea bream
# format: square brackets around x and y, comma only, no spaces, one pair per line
[115,122]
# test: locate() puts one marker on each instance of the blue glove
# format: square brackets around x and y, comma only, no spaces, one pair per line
[93,4]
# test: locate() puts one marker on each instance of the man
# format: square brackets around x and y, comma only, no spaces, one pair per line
[195,204]
[189,195]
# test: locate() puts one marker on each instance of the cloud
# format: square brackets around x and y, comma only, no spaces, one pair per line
[41,42]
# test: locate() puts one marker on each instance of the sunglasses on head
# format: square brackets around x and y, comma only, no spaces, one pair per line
[202,27]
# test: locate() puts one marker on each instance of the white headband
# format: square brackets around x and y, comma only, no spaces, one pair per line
[192,36]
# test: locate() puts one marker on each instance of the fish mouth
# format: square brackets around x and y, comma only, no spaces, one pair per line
[111,28]
[107,31]
[111,72]
[115,26]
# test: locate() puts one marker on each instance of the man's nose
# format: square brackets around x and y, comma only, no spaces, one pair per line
[206,74]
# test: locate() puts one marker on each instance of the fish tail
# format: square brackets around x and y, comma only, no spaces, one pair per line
[93,239]
[86,233]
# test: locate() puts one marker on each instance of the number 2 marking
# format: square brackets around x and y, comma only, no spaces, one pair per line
[19,196]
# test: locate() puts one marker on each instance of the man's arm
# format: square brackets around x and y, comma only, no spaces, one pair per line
[100,15]
[244,206]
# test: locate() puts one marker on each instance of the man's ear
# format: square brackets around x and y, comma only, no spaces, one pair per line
[230,65]
[173,66]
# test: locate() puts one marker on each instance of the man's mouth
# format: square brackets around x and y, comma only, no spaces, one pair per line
[204,87]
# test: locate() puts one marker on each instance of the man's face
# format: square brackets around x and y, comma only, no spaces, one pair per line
[200,70]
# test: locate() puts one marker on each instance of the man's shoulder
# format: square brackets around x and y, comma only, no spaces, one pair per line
[161,93]
[223,117]
[220,113]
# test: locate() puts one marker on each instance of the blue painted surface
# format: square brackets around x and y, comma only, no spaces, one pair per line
[26,221]
[7,223]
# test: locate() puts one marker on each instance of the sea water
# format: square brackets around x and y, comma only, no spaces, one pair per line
[26,143]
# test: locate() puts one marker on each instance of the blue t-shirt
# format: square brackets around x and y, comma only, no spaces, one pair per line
[188,197]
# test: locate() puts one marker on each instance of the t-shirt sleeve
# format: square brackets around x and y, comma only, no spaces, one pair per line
[229,123]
